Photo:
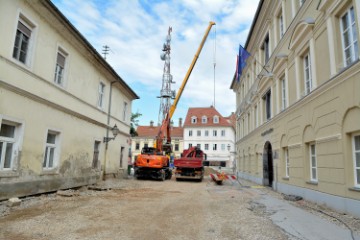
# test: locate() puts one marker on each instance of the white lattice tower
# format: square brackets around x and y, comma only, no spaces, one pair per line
[166,94]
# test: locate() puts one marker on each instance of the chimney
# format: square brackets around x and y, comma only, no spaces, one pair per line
[180,122]
[151,123]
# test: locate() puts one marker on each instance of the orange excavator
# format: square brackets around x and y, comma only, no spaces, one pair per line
[154,161]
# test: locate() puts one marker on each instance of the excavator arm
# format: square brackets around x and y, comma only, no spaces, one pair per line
[165,126]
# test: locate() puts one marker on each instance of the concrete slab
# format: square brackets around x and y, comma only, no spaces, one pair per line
[300,224]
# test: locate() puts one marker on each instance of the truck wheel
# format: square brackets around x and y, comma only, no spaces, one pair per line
[168,174]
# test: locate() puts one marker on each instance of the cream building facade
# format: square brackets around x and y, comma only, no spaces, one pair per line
[298,101]
[58,100]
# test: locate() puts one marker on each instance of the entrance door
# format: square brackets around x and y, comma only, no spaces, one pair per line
[268,170]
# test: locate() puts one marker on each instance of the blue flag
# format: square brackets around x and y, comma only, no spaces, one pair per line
[243,55]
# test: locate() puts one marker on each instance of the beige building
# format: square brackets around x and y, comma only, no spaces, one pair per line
[58,100]
[298,101]
[147,135]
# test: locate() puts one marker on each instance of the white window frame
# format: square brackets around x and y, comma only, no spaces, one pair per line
[214,133]
[216,119]
[206,133]
[356,155]
[101,94]
[222,147]
[352,35]
[190,133]
[283,94]
[308,83]
[206,146]
[281,25]
[223,132]
[198,133]
[204,119]
[193,120]
[5,141]
[198,145]
[60,68]
[31,26]
[214,147]
[190,145]
[56,148]
[313,162]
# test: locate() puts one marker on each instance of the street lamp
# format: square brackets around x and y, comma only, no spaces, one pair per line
[114,131]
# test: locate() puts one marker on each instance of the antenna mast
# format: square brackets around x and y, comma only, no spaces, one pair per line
[166,94]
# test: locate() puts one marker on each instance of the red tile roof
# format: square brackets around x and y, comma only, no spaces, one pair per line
[209,112]
[152,131]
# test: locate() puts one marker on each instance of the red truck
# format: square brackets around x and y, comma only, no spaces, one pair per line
[190,165]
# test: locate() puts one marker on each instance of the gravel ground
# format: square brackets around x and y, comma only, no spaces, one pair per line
[147,209]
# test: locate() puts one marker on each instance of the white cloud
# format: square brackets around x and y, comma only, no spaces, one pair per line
[136,30]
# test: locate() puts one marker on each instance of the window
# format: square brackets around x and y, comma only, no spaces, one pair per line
[193,120]
[266,49]
[146,145]
[349,37]
[137,146]
[190,133]
[59,68]
[190,145]
[307,73]
[223,133]
[206,133]
[101,95]
[283,94]
[198,145]
[356,150]
[198,133]
[256,115]
[281,25]
[313,163]
[95,162]
[222,147]
[7,142]
[176,147]
[51,148]
[214,147]
[214,133]
[22,41]
[216,119]
[267,103]
[124,111]
[287,162]
[204,119]
[206,146]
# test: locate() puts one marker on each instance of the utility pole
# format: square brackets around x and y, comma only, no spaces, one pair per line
[105,51]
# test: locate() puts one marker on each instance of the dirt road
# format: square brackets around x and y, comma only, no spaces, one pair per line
[142,209]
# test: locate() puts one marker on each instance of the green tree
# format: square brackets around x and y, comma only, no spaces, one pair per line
[134,122]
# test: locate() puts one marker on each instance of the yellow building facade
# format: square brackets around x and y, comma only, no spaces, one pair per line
[58,100]
[298,101]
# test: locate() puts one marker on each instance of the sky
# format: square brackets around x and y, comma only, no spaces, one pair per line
[135,31]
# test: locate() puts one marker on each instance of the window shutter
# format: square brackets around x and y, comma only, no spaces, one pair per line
[24,29]
[60,60]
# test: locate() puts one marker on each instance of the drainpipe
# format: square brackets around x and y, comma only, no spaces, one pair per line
[107,130]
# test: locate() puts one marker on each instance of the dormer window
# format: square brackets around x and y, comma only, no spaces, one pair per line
[216,119]
[193,120]
[204,119]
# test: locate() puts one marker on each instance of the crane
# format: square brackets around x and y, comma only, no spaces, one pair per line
[152,161]
[165,126]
